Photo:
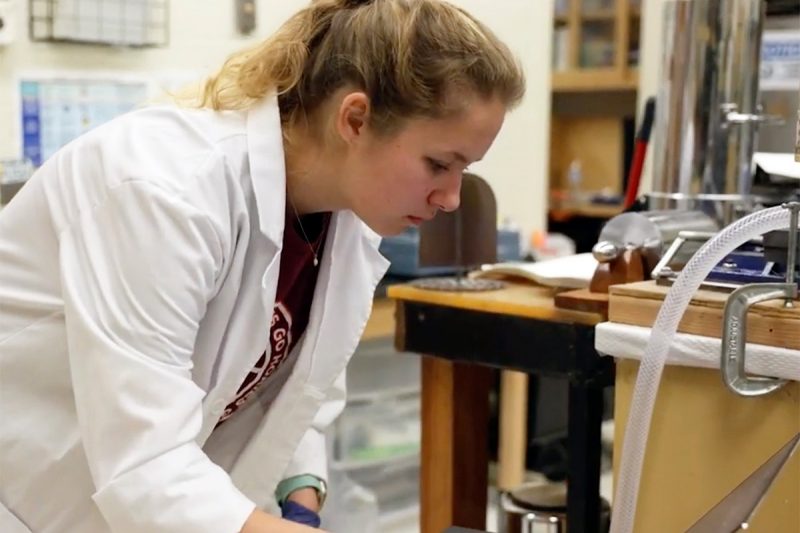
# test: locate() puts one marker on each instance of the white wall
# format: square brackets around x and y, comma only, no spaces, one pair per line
[652,48]
[203,33]
[200,39]
[517,166]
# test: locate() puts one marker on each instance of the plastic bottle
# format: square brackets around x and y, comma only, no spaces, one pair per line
[574,180]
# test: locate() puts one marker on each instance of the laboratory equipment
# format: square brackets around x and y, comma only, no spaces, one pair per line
[709,114]
[651,232]
[664,329]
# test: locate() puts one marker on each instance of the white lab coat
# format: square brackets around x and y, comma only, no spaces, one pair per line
[138,271]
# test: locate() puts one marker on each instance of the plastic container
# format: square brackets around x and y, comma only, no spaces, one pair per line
[371,433]
[351,507]
[395,484]
[378,372]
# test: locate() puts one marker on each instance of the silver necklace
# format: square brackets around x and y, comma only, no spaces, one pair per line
[303,231]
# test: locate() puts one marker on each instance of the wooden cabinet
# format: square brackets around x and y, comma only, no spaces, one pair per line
[596,45]
[594,85]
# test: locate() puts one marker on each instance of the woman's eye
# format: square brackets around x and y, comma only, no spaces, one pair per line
[437,166]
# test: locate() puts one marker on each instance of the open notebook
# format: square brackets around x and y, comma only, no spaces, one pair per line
[571,272]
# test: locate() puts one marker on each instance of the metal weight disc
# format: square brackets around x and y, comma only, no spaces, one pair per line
[458,284]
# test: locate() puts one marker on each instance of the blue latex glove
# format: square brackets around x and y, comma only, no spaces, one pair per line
[297,513]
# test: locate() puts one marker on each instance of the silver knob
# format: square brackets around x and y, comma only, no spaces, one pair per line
[606,251]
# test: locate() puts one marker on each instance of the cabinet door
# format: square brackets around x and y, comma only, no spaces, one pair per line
[595,45]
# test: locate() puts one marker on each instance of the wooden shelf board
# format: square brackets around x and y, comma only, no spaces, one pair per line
[599,15]
[605,79]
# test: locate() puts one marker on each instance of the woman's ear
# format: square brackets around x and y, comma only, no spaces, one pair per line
[352,116]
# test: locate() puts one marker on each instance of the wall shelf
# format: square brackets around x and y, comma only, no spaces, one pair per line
[600,79]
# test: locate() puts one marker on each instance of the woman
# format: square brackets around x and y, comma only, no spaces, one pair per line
[182,287]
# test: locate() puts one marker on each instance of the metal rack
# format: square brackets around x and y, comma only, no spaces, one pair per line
[132,23]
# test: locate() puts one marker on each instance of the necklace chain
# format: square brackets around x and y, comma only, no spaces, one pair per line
[303,231]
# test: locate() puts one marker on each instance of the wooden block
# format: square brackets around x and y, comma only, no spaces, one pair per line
[627,268]
[770,323]
[583,300]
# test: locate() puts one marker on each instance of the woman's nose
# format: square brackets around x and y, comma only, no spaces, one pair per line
[447,198]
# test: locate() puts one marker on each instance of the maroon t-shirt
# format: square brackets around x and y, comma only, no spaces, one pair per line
[296,281]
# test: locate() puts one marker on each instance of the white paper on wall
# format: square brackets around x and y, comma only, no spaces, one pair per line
[122,22]
[780,60]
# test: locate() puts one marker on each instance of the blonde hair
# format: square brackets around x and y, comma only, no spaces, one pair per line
[407,56]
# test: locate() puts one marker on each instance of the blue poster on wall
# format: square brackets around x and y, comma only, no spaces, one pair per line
[56,111]
[31,138]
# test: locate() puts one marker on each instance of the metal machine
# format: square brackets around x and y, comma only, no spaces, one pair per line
[710,113]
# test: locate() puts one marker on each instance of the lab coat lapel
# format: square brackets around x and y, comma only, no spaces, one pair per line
[268,174]
[268,179]
[343,299]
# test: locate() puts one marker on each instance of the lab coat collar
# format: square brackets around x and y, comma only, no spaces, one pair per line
[267,166]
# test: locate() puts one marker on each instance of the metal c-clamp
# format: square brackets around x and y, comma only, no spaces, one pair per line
[734,327]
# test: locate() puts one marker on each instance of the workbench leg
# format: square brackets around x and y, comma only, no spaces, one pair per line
[513,441]
[584,451]
[455,451]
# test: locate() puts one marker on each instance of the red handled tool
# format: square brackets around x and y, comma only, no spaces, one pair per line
[639,151]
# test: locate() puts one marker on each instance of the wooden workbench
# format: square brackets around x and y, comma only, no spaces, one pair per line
[704,440]
[461,336]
